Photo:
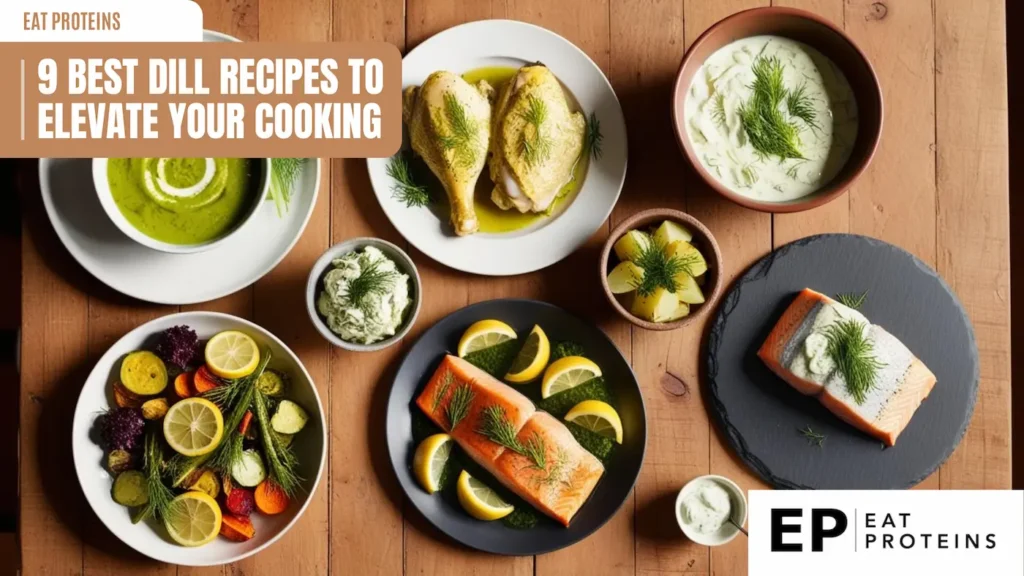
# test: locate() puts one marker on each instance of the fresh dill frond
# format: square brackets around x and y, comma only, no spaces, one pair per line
[536,450]
[283,174]
[799,105]
[462,132]
[793,171]
[851,300]
[159,496]
[458,407]
[446,381]
[718,109]
[769,131]
[404,187]
[371,280]
[813,438]
[594,138]
[854,356]
[660,269]
[499,429]
[535,147]
[281,462]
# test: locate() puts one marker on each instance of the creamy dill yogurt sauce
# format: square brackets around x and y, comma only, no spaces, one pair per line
[364,297]
[771,118]
[707,507]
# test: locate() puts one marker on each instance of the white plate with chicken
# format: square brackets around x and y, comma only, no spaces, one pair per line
[514,153]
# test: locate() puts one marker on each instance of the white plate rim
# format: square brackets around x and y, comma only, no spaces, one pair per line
[182,318]
[555,239]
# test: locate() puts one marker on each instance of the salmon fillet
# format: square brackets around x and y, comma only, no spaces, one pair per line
[901,384]
[569,472]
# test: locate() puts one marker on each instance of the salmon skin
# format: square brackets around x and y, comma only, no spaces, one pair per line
[794,350]
[556,474]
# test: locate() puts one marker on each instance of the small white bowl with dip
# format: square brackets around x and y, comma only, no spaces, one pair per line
[704,506]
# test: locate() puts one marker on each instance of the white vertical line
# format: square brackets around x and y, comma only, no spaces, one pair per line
[23,100]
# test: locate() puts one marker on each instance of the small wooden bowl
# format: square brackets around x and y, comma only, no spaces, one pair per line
[814,31]
[702,240]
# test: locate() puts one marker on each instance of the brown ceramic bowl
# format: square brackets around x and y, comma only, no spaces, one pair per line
[702,240]
[818,33]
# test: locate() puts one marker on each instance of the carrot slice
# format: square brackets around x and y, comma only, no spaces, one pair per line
[236,528]
[183,385]
[204,380]
[243,427]
[270,499]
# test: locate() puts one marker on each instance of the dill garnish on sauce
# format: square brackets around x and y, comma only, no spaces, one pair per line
[770,132]
[371,280]
[535,146]
[854,356]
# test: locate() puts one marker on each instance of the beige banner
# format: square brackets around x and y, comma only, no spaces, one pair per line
[200,99]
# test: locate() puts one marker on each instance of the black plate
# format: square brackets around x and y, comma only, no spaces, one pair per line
[761,415]
[620,473]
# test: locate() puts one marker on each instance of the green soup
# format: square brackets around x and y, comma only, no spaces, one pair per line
[184,200]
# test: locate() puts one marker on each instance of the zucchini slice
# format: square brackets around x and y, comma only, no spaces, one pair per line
[289,418]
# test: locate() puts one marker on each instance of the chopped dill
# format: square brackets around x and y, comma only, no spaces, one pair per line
[458,407]
[793,171]
[769,131]
[462,132]
[813,438]
[660,269]
[594,138]
[854,356]
[718,109]
[404,187]
[371,280]
[535,146]
[851,300]
[799,105]
[750,175]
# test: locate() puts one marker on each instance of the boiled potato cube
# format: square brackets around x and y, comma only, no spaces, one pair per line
[625,277]
[688,253]
[658,306]
[681,311]
[687,289]
[631,244]
[670,232]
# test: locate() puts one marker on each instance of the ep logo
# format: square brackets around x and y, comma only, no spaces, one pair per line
[824,523]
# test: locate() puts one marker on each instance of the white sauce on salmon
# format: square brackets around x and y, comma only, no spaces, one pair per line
[717,113]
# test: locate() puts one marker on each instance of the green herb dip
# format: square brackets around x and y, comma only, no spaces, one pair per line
[183,200]
[381,310]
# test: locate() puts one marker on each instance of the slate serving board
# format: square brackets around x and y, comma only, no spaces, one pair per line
[761,416]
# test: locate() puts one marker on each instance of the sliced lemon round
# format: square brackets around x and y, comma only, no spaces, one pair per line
[484,334]
[429,460]
[232,354]
[480,501]
[193,426]
[566,373]
[193,519]
[532,358]
[597,416]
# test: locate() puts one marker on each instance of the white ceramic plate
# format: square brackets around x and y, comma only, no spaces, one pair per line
[133,269]
[151,538]
[514,44]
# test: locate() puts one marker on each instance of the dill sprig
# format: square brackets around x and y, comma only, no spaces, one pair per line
[718,109]
[283,174]
[371,280]
[536,450]
[461,137]
[282,462]
[851,300]
[499,429]
[446,381]
[769,131]
[594,138]
[799,105]
[159,495]
[854,356]
[660,269]
[403,187]
[535,147]
[458,406]
[813,437]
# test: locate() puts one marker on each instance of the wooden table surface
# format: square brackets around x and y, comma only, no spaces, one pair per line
[937,186]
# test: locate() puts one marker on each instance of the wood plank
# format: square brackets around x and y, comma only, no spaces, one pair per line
[895,198]
[366,516]
[54,363]
[973,219]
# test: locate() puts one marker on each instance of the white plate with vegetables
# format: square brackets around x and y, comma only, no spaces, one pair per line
[239,259]
[199,439]
[515,149]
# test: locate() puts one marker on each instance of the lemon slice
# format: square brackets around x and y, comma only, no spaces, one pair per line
[232,354]
[532,358]
[193,519]
[484,334]
[480,501]
[428,463]
[566,373]
[193,426]
[597,416]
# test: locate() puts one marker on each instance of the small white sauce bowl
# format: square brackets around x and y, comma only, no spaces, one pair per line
[102,185]
[727,532]
[314,285]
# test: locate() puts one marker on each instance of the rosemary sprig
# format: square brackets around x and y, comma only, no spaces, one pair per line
[660,269]
[282,462]
[769,131]
[461,137]
[371,280]
[159,494]
[535,147]
[283,174]
[594,138]
[798,103]
[813,438]
[718,109]
[403,187]
[851,300]
[446,381]
[854,356]
[458,406]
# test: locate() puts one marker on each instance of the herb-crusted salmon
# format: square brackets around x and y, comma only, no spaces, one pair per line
[860,372]
[529,451]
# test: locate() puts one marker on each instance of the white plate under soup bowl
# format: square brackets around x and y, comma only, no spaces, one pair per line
[150,538]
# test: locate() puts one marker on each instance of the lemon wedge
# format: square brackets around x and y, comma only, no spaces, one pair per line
[193,519]
[193,426]
[429,460]
[480,501]
[566,373]
[598,417]
[484,334]
[232,354]
[532,358]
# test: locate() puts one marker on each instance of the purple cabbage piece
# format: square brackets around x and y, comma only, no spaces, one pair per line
[179,346]
[121,428]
